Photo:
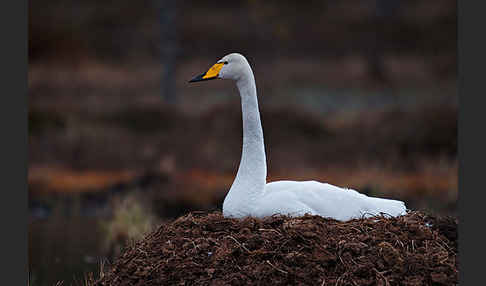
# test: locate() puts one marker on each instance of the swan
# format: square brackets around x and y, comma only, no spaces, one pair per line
[250,194]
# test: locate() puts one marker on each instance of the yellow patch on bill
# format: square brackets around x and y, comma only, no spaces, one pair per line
[213,71]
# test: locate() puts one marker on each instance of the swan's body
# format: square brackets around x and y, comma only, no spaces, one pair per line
[250,195]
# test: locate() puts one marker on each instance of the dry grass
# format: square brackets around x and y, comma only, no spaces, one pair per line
[131,220]
[48,179]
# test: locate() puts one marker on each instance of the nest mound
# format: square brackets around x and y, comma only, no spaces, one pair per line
[207,249]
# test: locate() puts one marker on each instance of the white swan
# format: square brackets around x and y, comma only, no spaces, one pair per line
[250,195]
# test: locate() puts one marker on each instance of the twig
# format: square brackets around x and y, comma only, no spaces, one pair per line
[265,229]
[387,283]
[274,267]
[239,244]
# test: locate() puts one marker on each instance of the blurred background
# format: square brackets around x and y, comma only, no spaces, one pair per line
[356,93]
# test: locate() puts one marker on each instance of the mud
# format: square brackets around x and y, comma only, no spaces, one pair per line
[207,249]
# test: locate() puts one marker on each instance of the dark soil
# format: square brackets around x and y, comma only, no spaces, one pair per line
[208,249]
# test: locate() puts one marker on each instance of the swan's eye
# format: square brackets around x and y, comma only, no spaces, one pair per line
[225,62]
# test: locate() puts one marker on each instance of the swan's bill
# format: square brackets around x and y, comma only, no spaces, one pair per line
[212,73]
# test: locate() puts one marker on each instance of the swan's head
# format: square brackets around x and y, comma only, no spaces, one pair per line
[232,66]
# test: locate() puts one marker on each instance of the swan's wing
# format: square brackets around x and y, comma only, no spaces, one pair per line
[323,199]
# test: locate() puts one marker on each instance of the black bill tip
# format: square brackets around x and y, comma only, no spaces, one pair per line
[200,78]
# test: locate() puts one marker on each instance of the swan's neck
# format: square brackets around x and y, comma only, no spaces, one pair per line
[250,180]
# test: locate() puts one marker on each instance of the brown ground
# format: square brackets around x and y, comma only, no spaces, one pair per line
[208,249]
